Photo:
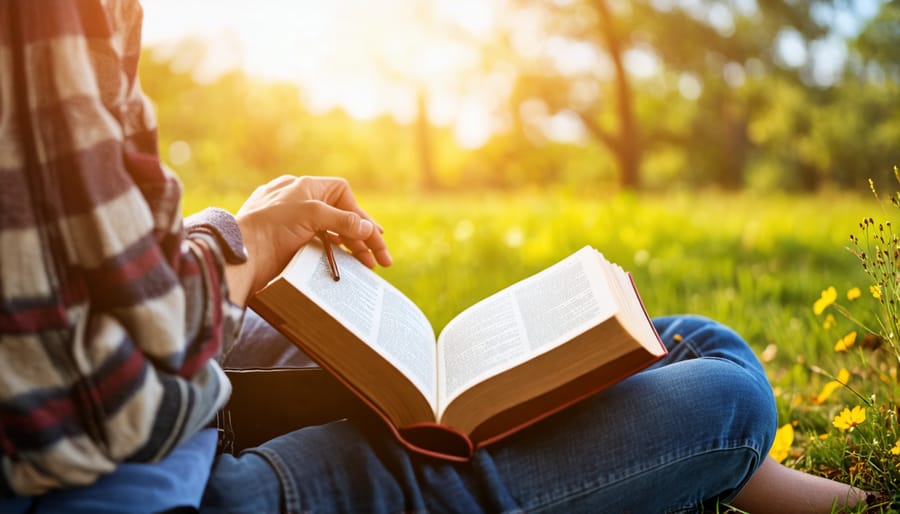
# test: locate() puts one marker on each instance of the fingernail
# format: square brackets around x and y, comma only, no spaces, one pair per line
[365,228]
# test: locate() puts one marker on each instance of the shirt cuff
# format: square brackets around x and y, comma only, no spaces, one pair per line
[222,226]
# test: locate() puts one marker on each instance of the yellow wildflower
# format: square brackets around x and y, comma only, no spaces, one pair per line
[848,419]
[853,293]
[824,437]
[896,449]
[827,298]
[843,376]
[829,321]
[876,291]
[781,446]
[842,379]
[844,343]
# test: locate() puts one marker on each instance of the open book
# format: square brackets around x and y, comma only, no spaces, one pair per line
[502,364]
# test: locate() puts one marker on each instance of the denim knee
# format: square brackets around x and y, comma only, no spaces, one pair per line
[726,425]
[751,402]
[738,404]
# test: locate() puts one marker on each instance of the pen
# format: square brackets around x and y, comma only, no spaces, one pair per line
[329,252]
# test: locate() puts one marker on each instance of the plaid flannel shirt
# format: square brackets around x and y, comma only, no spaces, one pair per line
[111,315]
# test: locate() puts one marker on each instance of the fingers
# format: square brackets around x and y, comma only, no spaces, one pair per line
[347,224]
[342,198]
[371,251]
[367,252]
[305,205]
[359,234]
[361,252]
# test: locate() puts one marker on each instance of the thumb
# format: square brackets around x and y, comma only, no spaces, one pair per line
[346,223]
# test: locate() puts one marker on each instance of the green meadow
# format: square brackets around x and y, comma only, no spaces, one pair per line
[755,262]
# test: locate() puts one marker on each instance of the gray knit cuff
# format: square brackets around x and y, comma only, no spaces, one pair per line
[222,226]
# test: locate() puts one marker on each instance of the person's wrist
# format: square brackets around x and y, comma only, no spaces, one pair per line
[249,270]
[240,282]
[219,230]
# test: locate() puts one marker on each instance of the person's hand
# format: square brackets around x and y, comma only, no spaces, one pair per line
[281,216]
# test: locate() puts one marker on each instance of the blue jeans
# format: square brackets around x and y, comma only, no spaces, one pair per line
[686,432]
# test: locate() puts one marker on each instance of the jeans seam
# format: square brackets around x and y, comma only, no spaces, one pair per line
[587,488]
[291,495]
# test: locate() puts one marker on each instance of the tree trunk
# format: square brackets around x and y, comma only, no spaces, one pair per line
[423,142]
[734,161]
[628,147]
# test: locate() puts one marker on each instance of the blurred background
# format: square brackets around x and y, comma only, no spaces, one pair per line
[589,95]
[719,150]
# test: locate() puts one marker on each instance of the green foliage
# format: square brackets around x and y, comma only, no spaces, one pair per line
[756,262]
[879,43]
[850,428]
[749,121]
[242,132]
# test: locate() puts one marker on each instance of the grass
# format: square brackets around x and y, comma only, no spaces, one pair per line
[755,263]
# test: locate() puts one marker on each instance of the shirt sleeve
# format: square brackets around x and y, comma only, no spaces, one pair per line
[112,313]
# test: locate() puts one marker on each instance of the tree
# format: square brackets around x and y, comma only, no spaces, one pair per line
[702,51]
[878,46]
[242,131]
[858,131]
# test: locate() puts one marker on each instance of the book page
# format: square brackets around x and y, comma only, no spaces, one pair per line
[531,317]
[372,309]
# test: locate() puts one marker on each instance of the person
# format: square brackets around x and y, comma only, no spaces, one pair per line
[116,312]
